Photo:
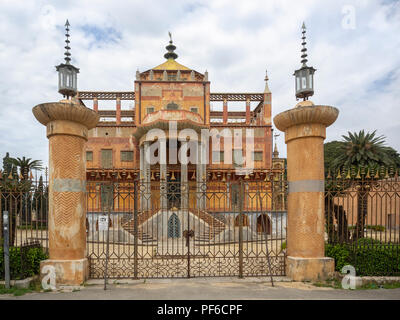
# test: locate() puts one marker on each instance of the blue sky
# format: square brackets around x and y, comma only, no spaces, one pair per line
[354,45]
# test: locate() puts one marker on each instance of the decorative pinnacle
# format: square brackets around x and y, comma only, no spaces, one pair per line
[304,49]
[67,47]
[170,54]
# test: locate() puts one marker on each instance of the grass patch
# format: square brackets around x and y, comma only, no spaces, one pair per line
[329,283]
[369,286]
[14,291]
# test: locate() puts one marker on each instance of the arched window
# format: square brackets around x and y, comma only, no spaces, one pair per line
[174,226]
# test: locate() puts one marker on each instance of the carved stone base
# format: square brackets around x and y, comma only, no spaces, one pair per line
[68,272]
[309,269]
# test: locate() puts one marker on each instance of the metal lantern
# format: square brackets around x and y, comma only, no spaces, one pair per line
[304,77]
[67,73]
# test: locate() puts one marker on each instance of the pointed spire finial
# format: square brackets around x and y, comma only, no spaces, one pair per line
[304,49]
[266,90]
[276,152]
[67,47]
[67,73]
[170,54]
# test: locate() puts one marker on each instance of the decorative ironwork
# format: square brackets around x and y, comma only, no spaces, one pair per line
[236,96]
[362,213]
[178,229]
[106,95]
[130,95]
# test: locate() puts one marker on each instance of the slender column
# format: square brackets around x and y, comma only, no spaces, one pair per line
[163,181]
[184,187]
[247,111]
[118,113]
[146,180]
[141,176]
[95,104]
[305,131]
[201,177]
[67,124]
[225,112]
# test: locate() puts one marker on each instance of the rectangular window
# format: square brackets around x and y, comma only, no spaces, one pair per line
[126,156]
[194,110]
[171,77]
[106,158]
[217,156]
[89,155]
[257,156]
[238,157]
[149,110]
[107,197]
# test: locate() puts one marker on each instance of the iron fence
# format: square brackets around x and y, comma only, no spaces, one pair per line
[176,229]
[26,202]
[363,216]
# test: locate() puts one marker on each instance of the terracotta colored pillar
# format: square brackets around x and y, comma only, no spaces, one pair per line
[247,111]
[95,104]
[118,113]
[67,125]
[225,112]
[305,131]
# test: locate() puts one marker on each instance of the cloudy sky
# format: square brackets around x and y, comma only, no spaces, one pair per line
[354,45]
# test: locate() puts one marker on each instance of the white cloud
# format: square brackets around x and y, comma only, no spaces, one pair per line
[357,70]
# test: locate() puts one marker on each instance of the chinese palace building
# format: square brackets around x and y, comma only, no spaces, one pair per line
[174,101]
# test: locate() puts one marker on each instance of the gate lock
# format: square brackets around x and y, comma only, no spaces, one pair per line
[188,234]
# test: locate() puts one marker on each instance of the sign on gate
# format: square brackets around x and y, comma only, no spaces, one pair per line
[103,223]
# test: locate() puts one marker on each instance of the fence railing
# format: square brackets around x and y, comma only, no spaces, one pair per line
[26,204]
[363,215]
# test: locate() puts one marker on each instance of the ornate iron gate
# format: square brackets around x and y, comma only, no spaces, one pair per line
[184,229]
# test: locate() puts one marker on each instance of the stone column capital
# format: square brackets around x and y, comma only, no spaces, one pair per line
[66,117]
[305,121]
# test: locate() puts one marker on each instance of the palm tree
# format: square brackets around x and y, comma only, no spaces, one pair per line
[26,165]
[363,152]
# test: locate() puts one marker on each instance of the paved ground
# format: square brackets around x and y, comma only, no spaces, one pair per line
[208,289]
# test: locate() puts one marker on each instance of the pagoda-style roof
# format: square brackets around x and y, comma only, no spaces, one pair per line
[171,64]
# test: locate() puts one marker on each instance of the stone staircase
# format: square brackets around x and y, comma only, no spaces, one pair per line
[215,225]
[128,225]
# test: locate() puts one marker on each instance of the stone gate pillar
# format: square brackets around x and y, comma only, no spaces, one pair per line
[305,131]
[67,125]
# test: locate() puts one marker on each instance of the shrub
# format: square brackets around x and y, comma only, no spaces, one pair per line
[23,265]
[369,257]
[339,252]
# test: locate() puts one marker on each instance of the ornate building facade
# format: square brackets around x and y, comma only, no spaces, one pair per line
[172,109]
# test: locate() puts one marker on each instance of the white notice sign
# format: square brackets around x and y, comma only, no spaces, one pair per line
[103,223]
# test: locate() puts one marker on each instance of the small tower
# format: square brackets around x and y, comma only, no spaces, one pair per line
[67,73]
[304,77]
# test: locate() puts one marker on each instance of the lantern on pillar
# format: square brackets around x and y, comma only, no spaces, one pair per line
[67,73]
[304,77]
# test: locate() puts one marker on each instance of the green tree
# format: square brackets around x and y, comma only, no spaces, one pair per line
[26,165]
[359,152]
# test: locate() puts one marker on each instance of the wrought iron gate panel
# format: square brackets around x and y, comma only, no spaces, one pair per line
[233,228]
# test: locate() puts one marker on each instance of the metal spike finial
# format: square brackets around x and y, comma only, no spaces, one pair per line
[304,49]
[67,47]
[170,54]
